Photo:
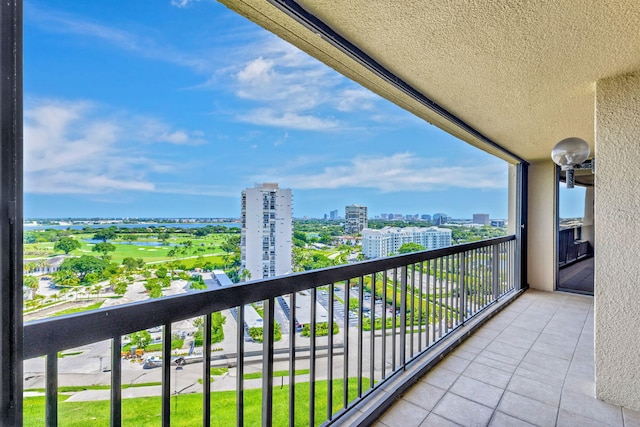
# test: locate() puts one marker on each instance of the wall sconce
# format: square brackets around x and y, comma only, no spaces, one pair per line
[569,155]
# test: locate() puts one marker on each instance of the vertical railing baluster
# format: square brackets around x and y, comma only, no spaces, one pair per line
[462,287]
[240,368]
[420,310]
[166,375]
[383,319]
[394,318]
[330,355]
[345,340]
[206,371]
[292,359]
[268,328]
[434,312]
[372,329]
[116,382]
[360,337]
[51,410]
[447,295]
[403,316]
[312,361]
[496,271]
[412,307]
[440,283]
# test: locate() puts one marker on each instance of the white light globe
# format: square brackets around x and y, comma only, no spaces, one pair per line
[570,152]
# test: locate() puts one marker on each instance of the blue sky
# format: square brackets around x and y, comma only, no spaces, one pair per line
[171,108]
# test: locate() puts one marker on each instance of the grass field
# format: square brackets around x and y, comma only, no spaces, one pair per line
[186,410]
[208,245]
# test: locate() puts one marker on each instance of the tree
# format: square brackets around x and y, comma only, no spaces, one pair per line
[104,248]
[105,234]
[410,247]
[31,282]
[163,236]
[161,272]
[66,278]
[140,339]
[83,265]
[133,263]
[66,245]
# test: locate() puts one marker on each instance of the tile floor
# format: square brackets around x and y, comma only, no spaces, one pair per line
[532,364]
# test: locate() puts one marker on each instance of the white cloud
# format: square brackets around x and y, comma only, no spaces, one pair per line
[356,99]
[289,120]
[74,147]
[183,3]
[294,90]
[398,172]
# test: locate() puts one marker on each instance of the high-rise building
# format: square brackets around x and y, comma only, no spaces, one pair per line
[440,218]
[333,215]
[267,229]
[482,219]
[388,240]
[355,219]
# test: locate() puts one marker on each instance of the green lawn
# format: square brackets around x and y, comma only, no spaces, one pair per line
[186,410]
[209,244]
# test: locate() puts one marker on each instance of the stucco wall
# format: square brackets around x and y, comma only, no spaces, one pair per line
[541,230]
[617,262]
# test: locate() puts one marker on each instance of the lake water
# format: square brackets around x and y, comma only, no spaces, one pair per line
[157,225]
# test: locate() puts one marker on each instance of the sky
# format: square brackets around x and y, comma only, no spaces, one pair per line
[171,108]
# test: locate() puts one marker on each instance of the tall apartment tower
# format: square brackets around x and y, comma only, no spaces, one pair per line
[355,219]
[482,219]
[267,228]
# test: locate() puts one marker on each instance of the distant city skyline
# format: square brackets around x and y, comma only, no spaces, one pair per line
[150,110]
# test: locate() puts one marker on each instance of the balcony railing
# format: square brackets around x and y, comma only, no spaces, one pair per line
[571,247]
[385,313]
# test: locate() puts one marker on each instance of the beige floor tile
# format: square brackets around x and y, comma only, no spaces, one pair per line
[547,361]
[507,367]
[477,391]
[505,349]
[487,374]
[536,390]
[505,360]
[590,407]
[570,419]
[434,420]
[631,418]
[424,395]
[503,420]
[530,410]
[454,364]
[463,411]
[540,374]
[441,378]
[404,414]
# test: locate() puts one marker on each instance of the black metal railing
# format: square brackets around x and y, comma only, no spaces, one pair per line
[344,332]
[571,247]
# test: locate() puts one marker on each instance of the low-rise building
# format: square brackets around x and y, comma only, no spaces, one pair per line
[388,240]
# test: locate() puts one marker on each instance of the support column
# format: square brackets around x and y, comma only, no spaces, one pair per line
[588,229]
[617,270]
[541,256]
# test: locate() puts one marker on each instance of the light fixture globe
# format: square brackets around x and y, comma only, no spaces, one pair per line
[570,152]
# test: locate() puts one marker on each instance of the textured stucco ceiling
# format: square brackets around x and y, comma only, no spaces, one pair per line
[522,73]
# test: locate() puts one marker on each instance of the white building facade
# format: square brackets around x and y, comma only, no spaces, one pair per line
[355,217]
[267,229]
[381,243]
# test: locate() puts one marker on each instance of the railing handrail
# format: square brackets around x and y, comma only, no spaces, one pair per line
[48,336]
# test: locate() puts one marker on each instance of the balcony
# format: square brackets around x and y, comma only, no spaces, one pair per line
[532,364]
[422,305]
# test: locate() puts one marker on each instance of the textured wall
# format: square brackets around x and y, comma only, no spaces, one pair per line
[617,263]
[542,228]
